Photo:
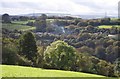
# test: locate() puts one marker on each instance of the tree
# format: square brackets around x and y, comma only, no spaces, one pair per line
[76,21]
[84,63]
[41,24]
[105,21]
[116,43]
[87,50]
[117,67]
[30,24]
[90,28]
[105,68]
[41,50]
[90,43]
[43,17]
[61,22]
[10,53]
[27,46]
[60,55]
[93,23]
[100,52]
[6,18]
[83,36]
[50,29]
[82,24]
[23,18]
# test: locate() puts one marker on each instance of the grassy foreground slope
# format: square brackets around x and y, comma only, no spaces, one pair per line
[22,71]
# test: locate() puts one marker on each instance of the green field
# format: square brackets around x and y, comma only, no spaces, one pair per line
[22,22]
[114,19]
[17,26]
[108,26]
[22,71]
[20,25]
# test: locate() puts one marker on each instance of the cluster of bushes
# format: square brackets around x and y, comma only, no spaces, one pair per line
[97,45]
[10,54]
[97,22]
[92,29]
[60,55]
[83,23]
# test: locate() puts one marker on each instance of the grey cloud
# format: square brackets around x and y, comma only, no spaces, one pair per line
[19,4]
[93,5]
[61,7]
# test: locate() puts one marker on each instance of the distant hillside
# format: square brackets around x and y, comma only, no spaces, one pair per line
[48,14]
[89,16]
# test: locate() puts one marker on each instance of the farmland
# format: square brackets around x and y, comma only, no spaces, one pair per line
[108,26]
[17,27]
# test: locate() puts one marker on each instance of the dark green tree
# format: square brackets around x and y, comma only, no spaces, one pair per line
[43,16]
[6,18]
[27,46]
[10,54]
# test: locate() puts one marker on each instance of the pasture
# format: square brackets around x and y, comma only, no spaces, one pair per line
[13,26]
[108,26]
[22,71]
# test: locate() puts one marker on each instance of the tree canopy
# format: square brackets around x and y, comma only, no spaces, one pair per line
[27,46]
[60,55]
[6,18]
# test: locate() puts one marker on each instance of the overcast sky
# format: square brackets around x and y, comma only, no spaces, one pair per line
[59,6]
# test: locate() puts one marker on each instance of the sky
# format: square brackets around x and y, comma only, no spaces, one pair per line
[77,7]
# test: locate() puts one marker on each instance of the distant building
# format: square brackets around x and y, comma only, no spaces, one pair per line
[116,36]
